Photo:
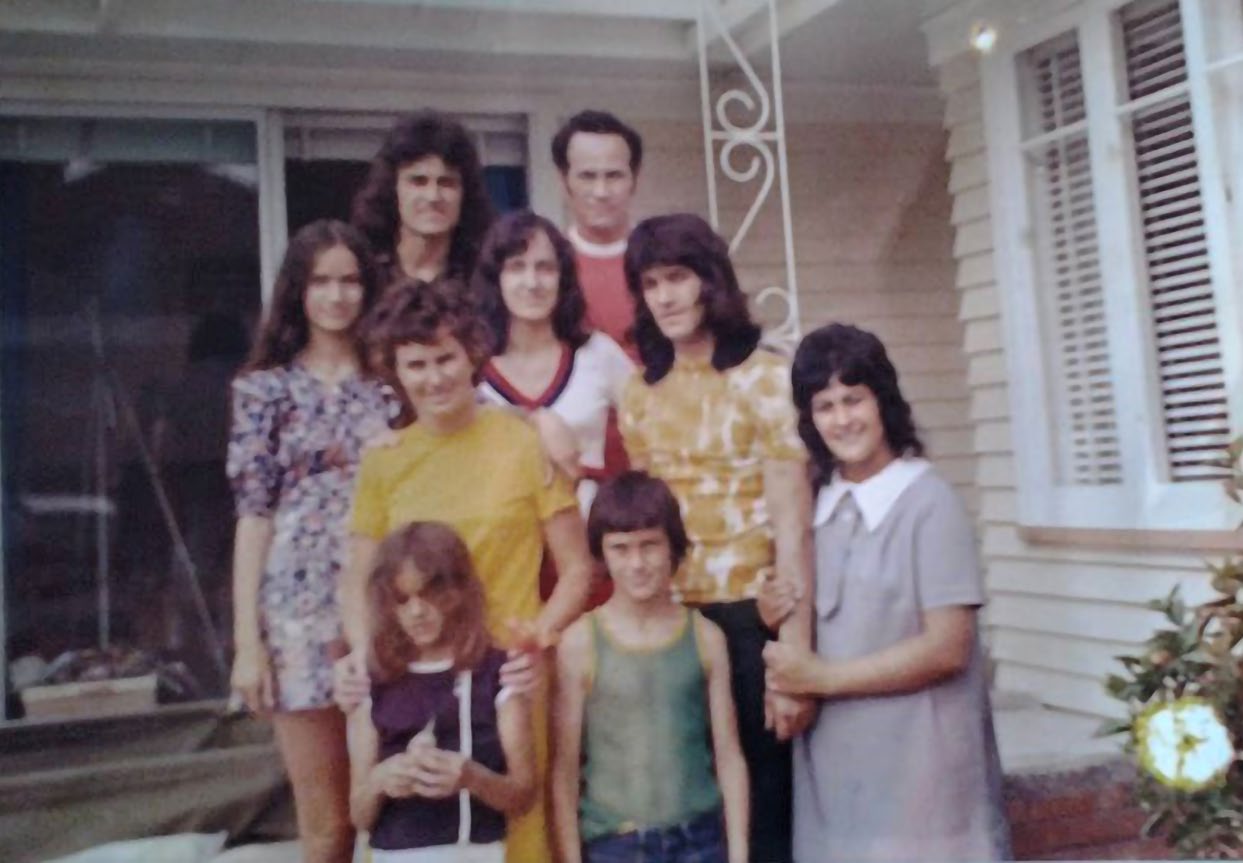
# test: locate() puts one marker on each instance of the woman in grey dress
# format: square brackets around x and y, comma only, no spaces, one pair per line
[901,762]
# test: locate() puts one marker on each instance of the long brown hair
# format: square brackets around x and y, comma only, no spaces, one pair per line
[685,239]
[853,356]
[426,133]
[285,331]
[446,577]
[510,235]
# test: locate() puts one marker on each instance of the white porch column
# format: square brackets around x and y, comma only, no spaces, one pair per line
[762,134]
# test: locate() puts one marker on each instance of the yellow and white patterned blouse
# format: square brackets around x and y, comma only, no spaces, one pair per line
[707,434]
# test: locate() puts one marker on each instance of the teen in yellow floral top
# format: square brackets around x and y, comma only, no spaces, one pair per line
[711,415]
[709,434]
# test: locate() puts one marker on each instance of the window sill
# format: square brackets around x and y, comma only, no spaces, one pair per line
[1210,541]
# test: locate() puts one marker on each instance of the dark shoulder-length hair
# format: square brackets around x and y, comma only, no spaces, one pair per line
[426,133]
[445,577]
[634,500]
[853,356]
[414,312]
[285,330]
[510,235]
[684,239]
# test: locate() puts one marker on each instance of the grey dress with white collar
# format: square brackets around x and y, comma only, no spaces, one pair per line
[910,776]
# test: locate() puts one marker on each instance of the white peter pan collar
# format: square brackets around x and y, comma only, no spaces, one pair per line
[595,250]
[874,496]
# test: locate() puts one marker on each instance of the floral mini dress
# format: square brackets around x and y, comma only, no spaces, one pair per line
[294,450]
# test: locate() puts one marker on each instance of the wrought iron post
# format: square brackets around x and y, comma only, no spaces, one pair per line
[763,134]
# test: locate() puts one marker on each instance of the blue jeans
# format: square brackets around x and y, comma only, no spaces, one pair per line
[699,840]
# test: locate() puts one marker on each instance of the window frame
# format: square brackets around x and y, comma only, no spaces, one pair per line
[1145,499]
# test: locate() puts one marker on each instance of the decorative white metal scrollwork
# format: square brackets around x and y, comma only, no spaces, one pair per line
[763,138]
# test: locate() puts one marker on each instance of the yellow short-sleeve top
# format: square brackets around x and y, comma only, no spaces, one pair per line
[708,433]
[490,482]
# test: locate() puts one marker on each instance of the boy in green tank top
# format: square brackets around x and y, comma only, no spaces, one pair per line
[646,762]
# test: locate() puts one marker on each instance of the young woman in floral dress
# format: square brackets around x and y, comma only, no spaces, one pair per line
[302,410]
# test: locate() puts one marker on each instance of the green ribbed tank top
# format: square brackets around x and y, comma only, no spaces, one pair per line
[647,741]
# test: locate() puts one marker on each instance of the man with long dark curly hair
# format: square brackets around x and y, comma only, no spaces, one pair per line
[711,415]
[424,206]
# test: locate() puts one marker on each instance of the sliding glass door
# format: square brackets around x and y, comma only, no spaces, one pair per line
[129,271]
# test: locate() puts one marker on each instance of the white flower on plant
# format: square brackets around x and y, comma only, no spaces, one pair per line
[1184,743]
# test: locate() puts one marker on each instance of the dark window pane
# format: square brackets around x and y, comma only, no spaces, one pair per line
[129,292]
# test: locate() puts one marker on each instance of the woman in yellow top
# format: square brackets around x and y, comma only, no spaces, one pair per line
[480,470]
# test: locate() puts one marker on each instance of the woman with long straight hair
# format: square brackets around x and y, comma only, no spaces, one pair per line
[303,407]
[544,357]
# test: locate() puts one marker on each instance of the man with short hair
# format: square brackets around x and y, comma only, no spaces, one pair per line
[599,158]
[711,415]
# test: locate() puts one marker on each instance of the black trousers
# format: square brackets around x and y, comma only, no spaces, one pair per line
[768,760]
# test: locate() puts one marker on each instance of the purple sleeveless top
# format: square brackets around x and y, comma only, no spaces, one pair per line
[404,707]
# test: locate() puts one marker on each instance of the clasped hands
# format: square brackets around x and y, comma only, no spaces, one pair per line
[787,708]
[421,771]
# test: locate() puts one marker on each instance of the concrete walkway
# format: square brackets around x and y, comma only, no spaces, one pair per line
[1030,738]
[1034,738]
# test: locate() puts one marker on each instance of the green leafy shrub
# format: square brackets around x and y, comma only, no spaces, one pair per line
[1184,698]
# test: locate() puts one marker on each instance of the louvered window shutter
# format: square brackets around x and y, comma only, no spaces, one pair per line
[1079,379]
[1175,249]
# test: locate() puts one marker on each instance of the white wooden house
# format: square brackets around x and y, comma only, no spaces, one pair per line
[1096,158]
[1046,234]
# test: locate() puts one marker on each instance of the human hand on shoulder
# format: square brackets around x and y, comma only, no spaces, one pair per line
[524,668]
[382,440]
[558,442]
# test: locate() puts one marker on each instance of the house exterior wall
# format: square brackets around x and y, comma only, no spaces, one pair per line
[874,248]
[1059,610]
[868,182]
[869,201]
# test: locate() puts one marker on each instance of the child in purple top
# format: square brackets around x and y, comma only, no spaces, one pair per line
[445,753]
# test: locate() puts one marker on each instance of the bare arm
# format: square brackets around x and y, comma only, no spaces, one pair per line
[251,676]
[787,495]
[569,691]
[353,590]
[558,442]
[731,767]
[941,650]
[566,536]
[513,791]
[366,796]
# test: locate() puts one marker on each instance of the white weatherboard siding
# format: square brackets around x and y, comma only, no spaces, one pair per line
[1057,613]
[873,246]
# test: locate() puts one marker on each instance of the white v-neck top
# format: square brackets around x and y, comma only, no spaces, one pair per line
[587,384]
